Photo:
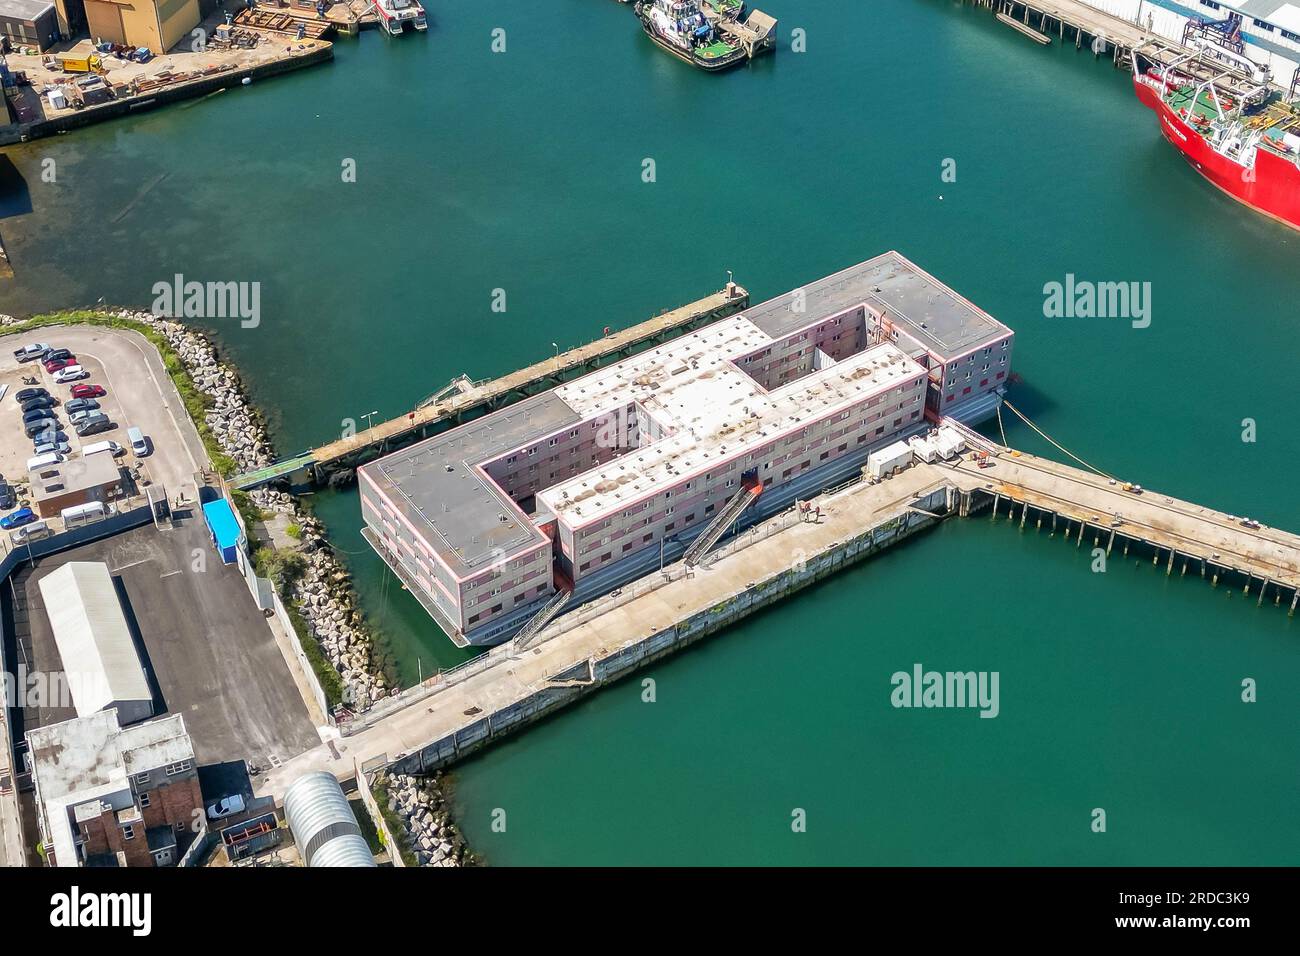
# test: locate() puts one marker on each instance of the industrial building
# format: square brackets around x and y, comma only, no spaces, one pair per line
[322,823]
[112,797]
[100,660]
[571,493]
[156,24]
[75,482]
[29,23]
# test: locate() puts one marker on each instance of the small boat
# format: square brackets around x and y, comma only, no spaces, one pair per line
[394,15]
[679,27]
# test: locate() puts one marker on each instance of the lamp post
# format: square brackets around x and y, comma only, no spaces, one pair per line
[369,417]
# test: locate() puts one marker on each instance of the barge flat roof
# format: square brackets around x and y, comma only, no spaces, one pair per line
[708,408]
[436,485]
[932,313]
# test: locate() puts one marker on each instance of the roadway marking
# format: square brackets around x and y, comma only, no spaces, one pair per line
[133,564]
[170,573]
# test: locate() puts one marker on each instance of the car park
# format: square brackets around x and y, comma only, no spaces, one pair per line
[58,447]
[70,373]
[27,394]
[40,401]
[53,365]
[32,352]
[7,498]
[79,404]
[86,390]
[19,518]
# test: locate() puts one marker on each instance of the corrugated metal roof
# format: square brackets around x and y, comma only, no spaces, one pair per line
[95,644]
[321,820]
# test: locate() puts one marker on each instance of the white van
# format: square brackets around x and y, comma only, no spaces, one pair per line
[112,447]
[30,532]
[139,444]
[85,514]
[44,461]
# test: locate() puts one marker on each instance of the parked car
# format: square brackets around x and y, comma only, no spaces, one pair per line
[140,445]
[93,426]
[52,447]
[19,518]
[59,354]
[30,532]
[39,462]
[95,448]
[53,433]
[80,404]
[36,414]
[7,498]
[226,806]
[40,401]
[34,428]
[30,353]
[88,391]
[70,373]
[80,416]
[53,365]
[27,394]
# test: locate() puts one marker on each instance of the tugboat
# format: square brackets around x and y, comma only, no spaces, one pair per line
[680,28]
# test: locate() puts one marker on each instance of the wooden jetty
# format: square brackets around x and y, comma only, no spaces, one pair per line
[466,400]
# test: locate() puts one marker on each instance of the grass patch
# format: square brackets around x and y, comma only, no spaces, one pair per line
[330,681]
[294,531]
[196,402]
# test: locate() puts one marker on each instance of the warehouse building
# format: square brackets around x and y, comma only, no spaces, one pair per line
[99,656]
[571,493]
[112,797]
[29,23]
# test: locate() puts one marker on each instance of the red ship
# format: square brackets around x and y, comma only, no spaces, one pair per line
[1218,109]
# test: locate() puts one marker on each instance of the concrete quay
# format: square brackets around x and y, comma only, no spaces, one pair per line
[457,712]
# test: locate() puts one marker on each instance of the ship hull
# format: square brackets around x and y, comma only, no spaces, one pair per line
[688,56]
[1272,187]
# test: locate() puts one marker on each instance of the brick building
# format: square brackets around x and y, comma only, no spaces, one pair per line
[598,481]
[108,796]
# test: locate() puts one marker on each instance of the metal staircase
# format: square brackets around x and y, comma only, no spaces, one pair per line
[543,617]
[710,535]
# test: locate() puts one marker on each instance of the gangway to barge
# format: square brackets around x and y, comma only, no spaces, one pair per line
[747,495]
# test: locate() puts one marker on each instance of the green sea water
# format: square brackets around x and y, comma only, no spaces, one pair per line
[523,171]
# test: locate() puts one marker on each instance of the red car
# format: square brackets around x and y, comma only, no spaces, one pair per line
[53,365]
[88,391]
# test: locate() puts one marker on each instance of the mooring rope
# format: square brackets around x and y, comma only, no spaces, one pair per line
[1053,442]
[1000,428]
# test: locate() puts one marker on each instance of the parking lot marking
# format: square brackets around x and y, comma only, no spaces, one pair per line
[169,574]
[131,565]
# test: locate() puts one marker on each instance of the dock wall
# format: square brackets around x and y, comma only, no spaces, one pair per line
[587,676]
[172,94]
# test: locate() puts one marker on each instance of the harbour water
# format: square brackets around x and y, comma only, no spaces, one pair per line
[523,171]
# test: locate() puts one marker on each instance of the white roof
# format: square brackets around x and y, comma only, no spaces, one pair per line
[95,644]
[708,411]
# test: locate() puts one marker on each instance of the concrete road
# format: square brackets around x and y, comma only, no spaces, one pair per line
[140,393]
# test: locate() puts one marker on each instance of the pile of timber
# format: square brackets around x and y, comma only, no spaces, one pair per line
[268,22]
